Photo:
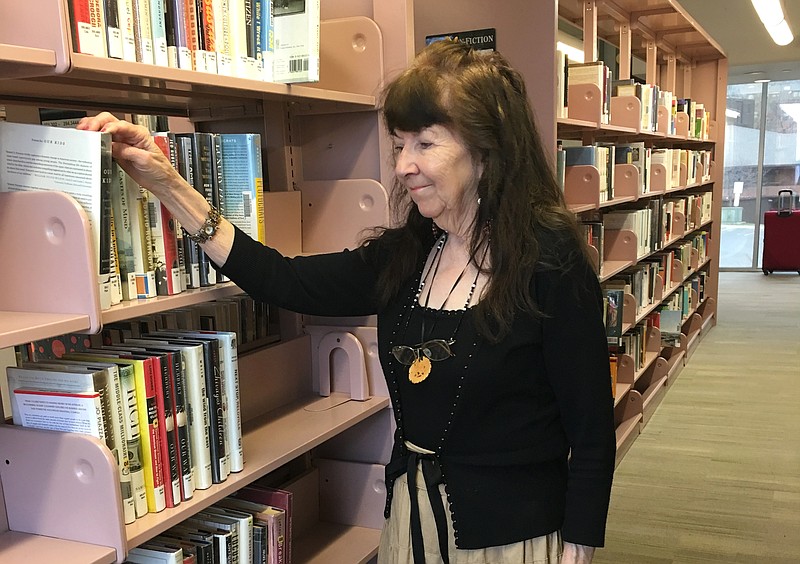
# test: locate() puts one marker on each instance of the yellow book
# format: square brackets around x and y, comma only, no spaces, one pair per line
[148,424]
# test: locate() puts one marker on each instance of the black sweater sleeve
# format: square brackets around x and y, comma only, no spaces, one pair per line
[576,360]
[334,284]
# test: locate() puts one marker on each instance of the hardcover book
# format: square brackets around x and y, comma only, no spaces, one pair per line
[242,190]
[78,163]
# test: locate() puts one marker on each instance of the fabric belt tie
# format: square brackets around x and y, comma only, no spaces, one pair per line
[432,474]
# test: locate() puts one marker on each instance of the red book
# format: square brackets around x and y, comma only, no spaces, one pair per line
[82,36]
[165,239]
[275,497]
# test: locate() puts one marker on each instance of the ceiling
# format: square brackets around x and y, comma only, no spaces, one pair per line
[751,52]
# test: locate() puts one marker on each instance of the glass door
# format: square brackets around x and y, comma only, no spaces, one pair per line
[762,157]
[741,178]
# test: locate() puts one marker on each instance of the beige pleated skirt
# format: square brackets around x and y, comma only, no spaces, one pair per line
[395,546]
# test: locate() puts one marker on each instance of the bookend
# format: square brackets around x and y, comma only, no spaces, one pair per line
[62,485]
[354,374]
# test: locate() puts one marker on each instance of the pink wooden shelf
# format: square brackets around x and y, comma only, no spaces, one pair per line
[573,123]
[612,267]
[628,418]
[622,389]
[331,542]
[36,549]
[269,442]
[25,62]
[59,288]
[21,327]
[136,308]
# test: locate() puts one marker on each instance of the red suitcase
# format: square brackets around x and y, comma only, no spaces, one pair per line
[781,236]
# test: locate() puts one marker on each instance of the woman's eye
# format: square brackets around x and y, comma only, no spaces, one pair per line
[425,145]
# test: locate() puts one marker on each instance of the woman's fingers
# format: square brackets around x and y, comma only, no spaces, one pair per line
[96,123]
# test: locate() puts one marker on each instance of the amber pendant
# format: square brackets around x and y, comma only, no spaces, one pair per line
[419,370]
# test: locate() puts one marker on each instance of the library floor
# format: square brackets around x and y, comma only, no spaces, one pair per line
[715,475]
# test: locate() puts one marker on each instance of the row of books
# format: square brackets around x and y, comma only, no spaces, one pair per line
[272,40]
[253,526]
[639,281]
[139,246]
[604,157]
[634,342]
[571,74]
[166,404]
[255,323]
[653,226]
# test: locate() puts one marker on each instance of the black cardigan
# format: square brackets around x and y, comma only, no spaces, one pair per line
[529,447]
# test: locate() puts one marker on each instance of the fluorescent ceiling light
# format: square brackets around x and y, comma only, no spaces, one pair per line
[770,12]
[762,80]
[781,34]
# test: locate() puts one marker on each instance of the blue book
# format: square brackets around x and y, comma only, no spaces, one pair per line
[242,189]
[584,155]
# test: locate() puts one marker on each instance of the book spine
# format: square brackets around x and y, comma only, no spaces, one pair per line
[257,186]
[178,383]
[159,31]
[191,250]
[170,30]
[220,9]
[126,24]
[104,265]
[113,29]
[151,442]
[193,35]
[202,154]
[167,435]
[233,425]
[258,33]
[143,32]
[98,21]
[216,411]
[199,419]
[238,37]
[115,279]
[82,35]
[205,23]
[176,12]
[217,183]
[133,439]
[116,410]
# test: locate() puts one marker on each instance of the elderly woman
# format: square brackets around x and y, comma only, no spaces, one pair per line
[489,318]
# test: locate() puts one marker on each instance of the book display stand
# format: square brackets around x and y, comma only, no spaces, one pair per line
[324,141]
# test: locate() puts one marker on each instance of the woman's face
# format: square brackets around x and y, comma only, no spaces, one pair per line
[440,175]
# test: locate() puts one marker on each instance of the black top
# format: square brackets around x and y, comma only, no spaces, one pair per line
[523,428]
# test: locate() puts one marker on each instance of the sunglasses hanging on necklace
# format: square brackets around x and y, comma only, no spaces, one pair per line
[418,357]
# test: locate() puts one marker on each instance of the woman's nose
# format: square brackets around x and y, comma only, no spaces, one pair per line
[404,163]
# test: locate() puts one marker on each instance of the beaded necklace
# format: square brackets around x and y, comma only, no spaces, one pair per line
[418,358]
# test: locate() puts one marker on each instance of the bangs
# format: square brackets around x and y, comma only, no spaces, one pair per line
[414,102]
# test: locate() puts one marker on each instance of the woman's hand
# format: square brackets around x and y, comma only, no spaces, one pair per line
[577,554]
[136,152]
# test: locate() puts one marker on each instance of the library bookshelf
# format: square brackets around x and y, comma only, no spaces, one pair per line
[321,141]
[680,57]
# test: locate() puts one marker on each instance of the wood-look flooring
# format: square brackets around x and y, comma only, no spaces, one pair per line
[715,474]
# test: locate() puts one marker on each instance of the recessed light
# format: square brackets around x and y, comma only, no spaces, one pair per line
[761,80]
[754,72]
